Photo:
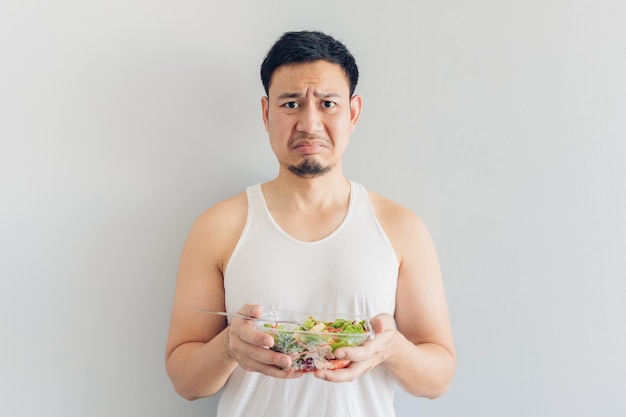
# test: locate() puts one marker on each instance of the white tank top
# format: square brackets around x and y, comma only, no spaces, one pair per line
[353,270]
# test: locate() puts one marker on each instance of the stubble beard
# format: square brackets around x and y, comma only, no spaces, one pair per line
[309,168]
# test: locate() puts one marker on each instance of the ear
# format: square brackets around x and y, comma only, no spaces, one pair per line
[355,111]
[265,108]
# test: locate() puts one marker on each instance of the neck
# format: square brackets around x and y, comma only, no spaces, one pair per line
[289,191]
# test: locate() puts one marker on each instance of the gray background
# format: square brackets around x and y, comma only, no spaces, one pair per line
[500,122]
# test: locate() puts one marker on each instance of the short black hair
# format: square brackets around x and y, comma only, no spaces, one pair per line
[308,46]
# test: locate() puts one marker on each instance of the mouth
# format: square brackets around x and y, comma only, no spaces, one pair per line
[309,145]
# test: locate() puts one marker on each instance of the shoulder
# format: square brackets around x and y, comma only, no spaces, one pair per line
[405,229]
[392,215]
[224,214]
[216,231]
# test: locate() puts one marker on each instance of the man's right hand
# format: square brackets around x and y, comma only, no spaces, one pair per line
[251,347]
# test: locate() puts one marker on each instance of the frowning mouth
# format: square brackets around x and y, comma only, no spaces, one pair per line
[308,144]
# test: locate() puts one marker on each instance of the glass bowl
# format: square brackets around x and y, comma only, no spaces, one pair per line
[312,345]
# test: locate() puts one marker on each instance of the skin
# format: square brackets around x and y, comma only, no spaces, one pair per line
[309,117]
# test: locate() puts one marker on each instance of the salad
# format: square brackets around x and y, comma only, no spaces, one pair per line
[312,345]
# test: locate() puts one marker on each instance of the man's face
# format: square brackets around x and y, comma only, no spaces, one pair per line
[309,116]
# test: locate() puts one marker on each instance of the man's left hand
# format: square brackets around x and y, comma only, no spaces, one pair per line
[366,357]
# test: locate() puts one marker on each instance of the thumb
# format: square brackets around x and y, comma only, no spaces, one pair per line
[383,322]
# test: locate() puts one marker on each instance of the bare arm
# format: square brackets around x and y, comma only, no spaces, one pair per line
[420,354]
[202,351]
[197,360]
[425,358]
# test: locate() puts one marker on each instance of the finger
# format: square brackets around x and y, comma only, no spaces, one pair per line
[356,354]
[378,325]
[251,310]
[246,331]
[253,358]
[371,348]
[360,353]
[275,372]
[348,374]
[383,322]
[269,357]
[249,334]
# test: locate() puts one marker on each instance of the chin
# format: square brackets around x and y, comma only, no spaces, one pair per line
[310,169]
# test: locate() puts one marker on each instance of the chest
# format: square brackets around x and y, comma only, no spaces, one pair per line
[353,270]
[309,227]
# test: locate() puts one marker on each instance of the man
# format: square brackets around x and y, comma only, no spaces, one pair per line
[309,240]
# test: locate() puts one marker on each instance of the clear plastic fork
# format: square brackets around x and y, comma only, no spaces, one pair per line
[241,316]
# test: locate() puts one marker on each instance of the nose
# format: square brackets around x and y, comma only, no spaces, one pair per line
[309,120]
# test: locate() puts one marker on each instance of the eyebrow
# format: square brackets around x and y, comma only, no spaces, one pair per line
[300,95]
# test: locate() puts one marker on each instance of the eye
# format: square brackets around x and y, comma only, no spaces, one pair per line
[291,105]
[327,104]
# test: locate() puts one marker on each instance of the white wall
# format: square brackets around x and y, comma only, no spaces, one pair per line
[501,123]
